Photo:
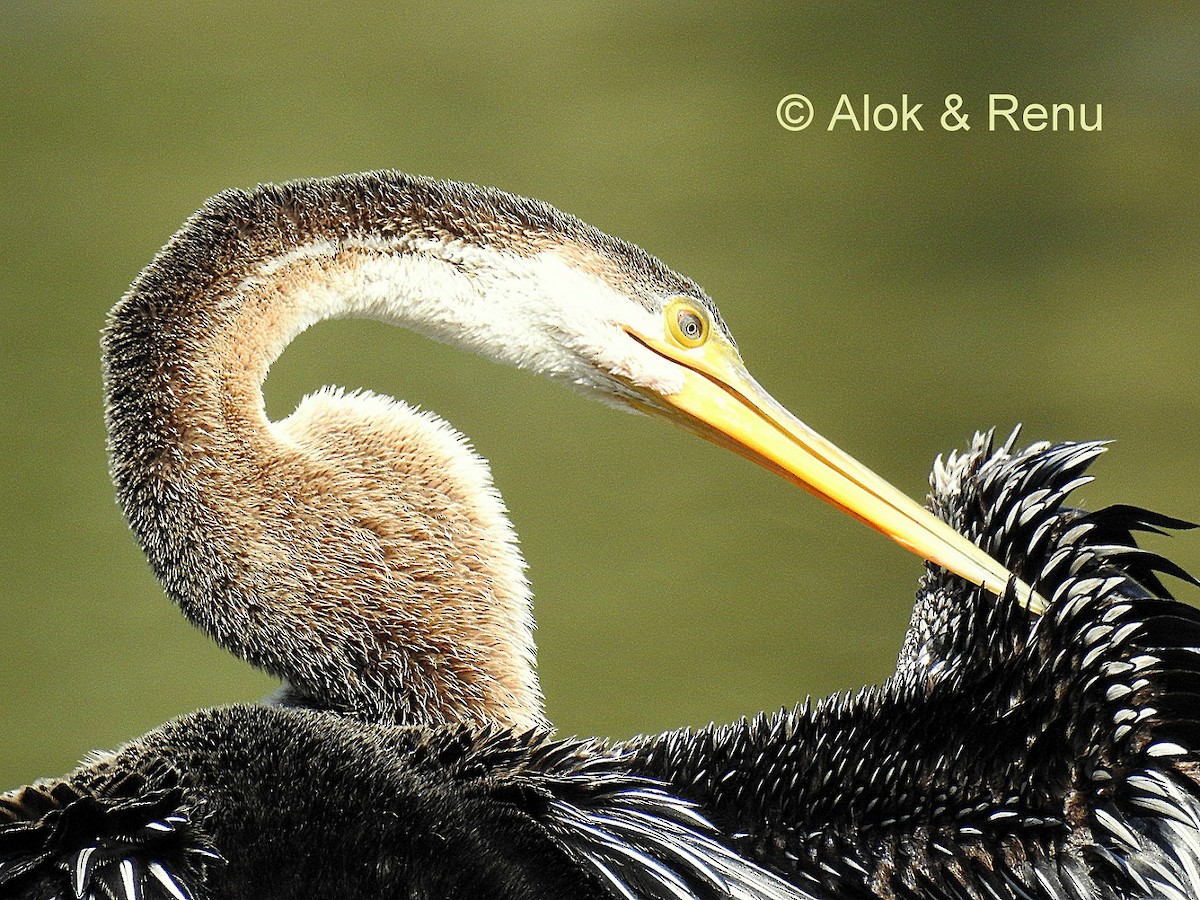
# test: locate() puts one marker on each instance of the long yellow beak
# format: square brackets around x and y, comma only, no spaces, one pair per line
[722,403]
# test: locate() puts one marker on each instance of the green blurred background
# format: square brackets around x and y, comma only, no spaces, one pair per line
[896,290]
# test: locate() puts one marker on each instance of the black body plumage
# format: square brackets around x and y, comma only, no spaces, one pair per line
[1006,757]
[1009,757]
[272,802]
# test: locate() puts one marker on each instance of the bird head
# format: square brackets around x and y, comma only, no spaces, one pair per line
[669,354]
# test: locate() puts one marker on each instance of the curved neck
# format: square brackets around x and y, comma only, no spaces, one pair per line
[356,549]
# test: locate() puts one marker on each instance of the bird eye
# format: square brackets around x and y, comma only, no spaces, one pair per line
[687,324]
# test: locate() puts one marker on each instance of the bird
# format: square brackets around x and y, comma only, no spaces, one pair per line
[1025,747]
[1011,755]
[357,550]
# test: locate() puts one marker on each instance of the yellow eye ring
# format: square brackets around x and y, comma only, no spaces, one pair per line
[686,323]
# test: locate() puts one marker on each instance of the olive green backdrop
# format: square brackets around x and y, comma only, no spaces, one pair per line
[897,290]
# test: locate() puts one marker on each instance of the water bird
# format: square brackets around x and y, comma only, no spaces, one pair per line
[357,546]
[1011,755]
[399,620]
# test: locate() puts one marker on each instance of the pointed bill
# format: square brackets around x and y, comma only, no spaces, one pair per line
[722,403]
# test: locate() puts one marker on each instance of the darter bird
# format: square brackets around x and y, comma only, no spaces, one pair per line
[358,551]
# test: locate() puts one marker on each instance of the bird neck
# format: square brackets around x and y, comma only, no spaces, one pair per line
[357,548]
